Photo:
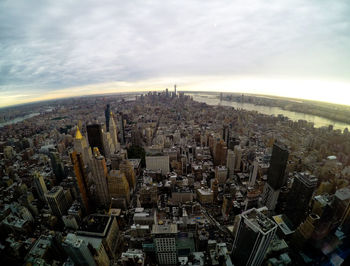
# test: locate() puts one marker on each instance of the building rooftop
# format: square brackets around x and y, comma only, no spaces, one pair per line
[164,229]
[343,193]
[259,220]
[95,225]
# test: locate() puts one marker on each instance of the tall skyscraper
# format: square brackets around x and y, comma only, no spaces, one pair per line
[57,166]
[253,173]
[57,201]
[81,146]
[254,233]
[107,116]
[278,163]
[99,173]
[77,249]
[230,162]
[40,186]
[95,137]
[165,243]
[299,197]
[276,175]
[80,174]
[114,133]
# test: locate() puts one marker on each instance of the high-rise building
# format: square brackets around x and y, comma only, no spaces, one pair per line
[99,173]
[114,132]
[276,175]
[40,186]
[77,249]
[230,162]
[238,157]
[95,137]
[342,208]
[254,232]
[81,146]
[57,166]
[164,237]
[278,163]
[253,173]
[118,185]
[107,116]
[220,153]
[81,177]
[127,168]
[299,197]
[57,201]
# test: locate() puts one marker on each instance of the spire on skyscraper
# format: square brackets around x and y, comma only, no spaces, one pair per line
[78,134]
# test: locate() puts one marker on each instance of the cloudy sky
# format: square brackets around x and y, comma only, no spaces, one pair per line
[64,48]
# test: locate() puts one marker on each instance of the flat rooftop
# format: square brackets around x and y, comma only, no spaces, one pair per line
[95,225]
[259,220]
[164,229]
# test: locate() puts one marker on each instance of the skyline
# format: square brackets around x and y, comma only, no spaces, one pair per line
[294,49]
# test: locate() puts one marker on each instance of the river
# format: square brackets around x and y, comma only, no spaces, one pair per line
[267,110]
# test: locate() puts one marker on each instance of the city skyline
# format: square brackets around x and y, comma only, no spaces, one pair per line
[292,49]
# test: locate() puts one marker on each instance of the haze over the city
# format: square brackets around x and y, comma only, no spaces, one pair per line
[53,49]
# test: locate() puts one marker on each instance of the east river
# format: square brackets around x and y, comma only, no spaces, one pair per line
[267,110]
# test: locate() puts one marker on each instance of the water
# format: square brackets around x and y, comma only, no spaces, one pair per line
[18,119]
[267,110]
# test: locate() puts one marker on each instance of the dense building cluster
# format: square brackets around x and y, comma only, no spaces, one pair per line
[160,179]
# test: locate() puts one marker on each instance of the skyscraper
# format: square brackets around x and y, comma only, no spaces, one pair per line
[95,137]
[57,201]
[40,186]
[107,116]
[114,133]
[278,163]
[57,166]
[81,177]
[99,173]
[276,175]
[254,233]
[299,197]
[81,146]
[77,249]
[230,162]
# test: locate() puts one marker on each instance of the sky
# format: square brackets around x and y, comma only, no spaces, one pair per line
[294,48]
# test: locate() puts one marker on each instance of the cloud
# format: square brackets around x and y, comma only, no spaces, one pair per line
[46,46]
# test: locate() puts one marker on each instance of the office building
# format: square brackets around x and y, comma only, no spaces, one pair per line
[107,116]
[158,163]
[81,146]
[57,166]
[101,227]
[127,168]
[95,137]
[81,177]
[77,249]
[276,175]
[40,186]
[99,176]
[299,197]
[164,237]
[57,201]
[254,233]
[230,162]
[118,185]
